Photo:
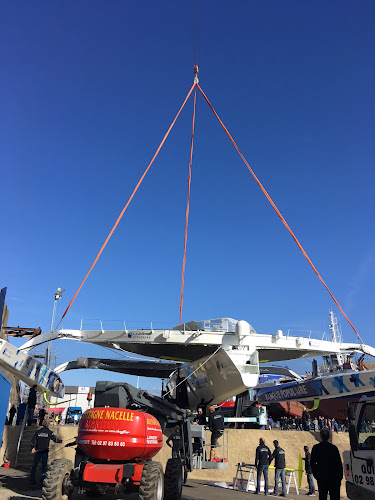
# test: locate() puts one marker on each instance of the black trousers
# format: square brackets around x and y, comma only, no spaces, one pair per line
[333,489]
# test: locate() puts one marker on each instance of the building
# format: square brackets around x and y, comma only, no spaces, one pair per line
[74,397]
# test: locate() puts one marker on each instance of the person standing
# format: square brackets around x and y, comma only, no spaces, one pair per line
[305,418]
[321,423]
[199,419]
[40,448]
[316,424]
[308,470]
[326,467]
[216,426]
[279,456]
[176,440]
[262,462]
[31,402]
[41,415]
[12,413]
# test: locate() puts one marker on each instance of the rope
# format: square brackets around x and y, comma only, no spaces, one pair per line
[127,204]
[192,373]
[278,212]
[187,206]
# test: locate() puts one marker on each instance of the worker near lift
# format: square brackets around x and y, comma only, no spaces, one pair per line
[262,461]
[216,426]
[176,440]
[40,448]
[326,466]
[279,456]
[200,418]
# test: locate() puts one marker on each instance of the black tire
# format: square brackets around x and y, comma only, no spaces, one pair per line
[152,482]
[173,479]
[185,474]
[57,484]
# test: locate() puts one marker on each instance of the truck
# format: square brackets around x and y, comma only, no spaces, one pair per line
[73,415]
[360,459]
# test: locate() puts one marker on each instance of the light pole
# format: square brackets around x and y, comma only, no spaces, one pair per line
[58,295]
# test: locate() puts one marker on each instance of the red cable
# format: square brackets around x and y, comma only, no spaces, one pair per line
[278,212]
[127,204]
[187,207]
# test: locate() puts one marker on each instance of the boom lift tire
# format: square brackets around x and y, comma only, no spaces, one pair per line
[152,482]
[173,479]
[57,484]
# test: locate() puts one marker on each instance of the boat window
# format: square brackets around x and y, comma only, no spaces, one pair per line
[366,428]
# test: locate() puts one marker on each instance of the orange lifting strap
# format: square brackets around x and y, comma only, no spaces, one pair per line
[126,206]
[277,211]
[194,86]
[187,206]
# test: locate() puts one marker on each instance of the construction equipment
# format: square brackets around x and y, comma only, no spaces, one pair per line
[116,441]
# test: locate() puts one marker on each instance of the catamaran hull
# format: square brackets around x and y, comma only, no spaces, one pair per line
[214,378]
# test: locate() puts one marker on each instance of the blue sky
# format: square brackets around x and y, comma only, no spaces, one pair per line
[88,90]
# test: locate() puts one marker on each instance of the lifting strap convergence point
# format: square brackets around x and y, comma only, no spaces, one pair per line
[194,87]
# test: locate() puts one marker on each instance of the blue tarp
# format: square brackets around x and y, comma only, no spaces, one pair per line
[5,386]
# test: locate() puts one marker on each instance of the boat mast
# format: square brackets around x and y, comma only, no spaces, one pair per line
[336,334]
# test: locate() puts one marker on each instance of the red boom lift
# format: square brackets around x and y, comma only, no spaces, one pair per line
[116,441]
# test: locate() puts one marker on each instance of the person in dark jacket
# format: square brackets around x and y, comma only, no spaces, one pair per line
[31,402]
[305,419]
[279,456]
[200,418]
[41,415]
[40,447]
[216,426]
[12,412]
[326,467]
[262,462]
[308,470]
[176,440]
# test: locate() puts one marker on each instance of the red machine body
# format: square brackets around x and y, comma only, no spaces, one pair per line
[119,434]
